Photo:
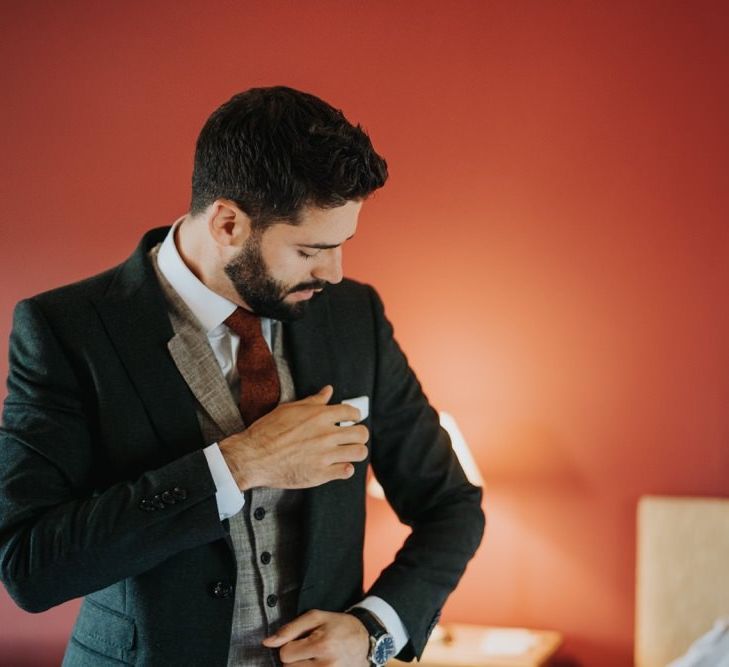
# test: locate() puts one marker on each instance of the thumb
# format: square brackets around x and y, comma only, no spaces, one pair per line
[295,629]
[322,397]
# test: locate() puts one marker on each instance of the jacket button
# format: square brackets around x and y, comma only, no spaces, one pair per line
[147,506]
[221,589]
[259,513]
[179,493]
[272,600]
[168,498]
[265,558]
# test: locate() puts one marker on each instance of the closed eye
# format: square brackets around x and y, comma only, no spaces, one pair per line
[307,255]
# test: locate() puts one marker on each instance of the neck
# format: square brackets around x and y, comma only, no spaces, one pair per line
[202,256]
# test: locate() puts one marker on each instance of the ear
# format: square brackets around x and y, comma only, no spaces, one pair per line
[228,225]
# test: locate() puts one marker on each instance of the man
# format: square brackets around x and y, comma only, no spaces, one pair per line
[176,443]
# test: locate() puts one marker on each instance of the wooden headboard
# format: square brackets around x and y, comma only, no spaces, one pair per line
[682,582]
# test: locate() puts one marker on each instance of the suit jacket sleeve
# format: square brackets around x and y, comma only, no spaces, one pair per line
[412,458]
[60,537]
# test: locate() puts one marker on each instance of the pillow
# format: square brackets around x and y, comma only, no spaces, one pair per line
[710,650]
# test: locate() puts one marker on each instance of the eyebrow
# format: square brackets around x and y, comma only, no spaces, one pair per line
[322,246]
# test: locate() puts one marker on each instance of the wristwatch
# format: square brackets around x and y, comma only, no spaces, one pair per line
[382,645]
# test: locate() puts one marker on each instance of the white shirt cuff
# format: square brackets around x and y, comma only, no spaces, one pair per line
[228,496]
[389,618]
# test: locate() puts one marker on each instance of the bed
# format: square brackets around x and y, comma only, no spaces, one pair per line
[682,584]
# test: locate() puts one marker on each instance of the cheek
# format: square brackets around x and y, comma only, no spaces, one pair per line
[274,258]
[286,267]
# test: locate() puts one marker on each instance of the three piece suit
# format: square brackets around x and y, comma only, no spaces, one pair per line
[102,421]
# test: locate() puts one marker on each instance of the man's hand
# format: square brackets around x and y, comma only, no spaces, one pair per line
[329,639]
[297,445]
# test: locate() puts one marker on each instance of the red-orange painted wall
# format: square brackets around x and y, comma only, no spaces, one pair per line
[552,245]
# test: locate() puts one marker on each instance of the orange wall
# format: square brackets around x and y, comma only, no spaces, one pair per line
[553,244]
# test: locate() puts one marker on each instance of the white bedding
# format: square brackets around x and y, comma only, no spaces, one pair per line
[711,650]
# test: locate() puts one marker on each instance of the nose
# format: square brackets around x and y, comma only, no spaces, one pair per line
[330,266]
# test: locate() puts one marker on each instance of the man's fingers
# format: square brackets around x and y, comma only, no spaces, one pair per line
[339,412]
[286,633]
[342,470]
[322,397]
[333,414]
[348,435]
[348,453]
[337,639]
[299,650]
[348,414]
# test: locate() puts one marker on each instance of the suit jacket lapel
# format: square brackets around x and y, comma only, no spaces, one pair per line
[134,312]
[311,348]
[197,364]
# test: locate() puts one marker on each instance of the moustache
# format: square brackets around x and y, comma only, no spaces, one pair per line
[302,287]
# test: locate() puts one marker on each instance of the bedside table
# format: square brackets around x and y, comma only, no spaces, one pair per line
[461,645]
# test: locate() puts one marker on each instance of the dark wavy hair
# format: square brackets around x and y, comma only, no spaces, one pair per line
[274,151]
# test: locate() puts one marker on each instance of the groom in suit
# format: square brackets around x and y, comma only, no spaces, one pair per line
[178,444]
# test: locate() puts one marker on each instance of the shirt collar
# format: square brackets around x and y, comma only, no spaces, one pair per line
[207,306]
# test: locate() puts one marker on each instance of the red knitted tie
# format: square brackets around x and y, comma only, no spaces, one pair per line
[259,385]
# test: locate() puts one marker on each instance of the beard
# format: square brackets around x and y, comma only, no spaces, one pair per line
[260,290]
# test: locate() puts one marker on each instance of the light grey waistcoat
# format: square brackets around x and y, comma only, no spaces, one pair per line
[267,586]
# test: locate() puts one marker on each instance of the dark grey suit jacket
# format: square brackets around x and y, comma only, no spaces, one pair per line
[98,421]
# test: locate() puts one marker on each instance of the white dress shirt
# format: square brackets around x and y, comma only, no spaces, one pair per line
[211,310]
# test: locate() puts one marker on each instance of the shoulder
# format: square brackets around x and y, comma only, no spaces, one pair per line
[352,293]
[355,311]
[354,301]
[349,290]
[88,288]
[70,304]
[74,299]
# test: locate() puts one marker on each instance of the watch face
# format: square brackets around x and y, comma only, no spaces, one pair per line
[383,650]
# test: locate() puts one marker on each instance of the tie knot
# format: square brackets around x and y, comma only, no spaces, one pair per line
[244,323]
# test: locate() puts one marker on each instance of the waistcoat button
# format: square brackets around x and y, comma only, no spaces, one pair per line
[265,558]
[259,513]
[271,600]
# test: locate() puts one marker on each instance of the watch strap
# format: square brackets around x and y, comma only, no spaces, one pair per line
[369,620]
[381,644]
